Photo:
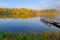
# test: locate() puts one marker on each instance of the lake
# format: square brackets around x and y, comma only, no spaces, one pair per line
[25,25]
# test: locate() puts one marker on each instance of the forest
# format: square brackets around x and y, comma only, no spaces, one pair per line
[26,13]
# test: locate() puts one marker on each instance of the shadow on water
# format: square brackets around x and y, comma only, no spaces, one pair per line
[23,25]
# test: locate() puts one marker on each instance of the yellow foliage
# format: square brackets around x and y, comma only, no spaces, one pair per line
[27,13]
[49,13]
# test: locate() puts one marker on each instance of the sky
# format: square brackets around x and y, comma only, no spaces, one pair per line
[32,4]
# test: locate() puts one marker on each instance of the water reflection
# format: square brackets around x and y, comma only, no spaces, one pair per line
[22,25]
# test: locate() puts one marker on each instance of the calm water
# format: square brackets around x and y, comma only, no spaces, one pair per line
[22,25]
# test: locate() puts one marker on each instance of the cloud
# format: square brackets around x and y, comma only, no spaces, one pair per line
[4,5]
[43,4]
[33,4]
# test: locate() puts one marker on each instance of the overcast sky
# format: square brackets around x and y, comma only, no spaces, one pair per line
[33,4]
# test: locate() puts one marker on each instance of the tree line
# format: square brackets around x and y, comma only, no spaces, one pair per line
[26,13]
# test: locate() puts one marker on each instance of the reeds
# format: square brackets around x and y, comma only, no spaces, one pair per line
[30,36]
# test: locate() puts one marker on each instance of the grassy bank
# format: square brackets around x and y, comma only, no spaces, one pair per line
[30,36]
